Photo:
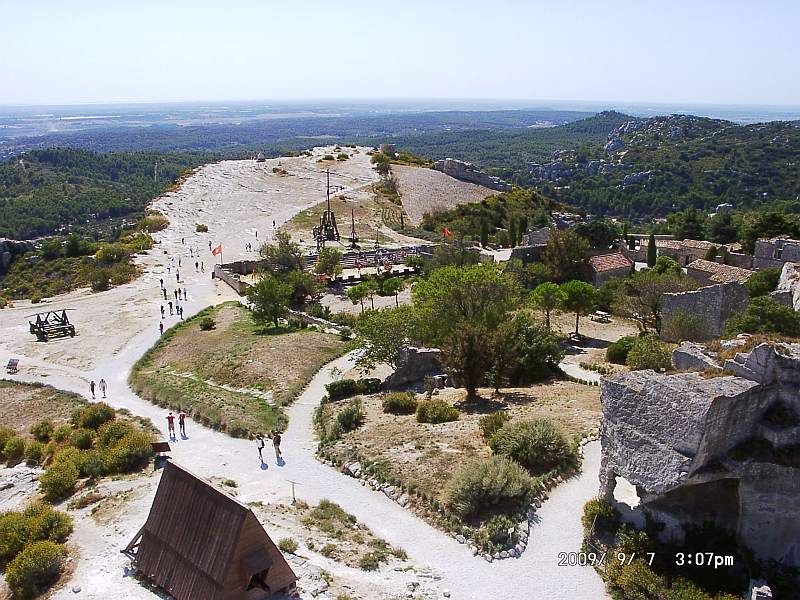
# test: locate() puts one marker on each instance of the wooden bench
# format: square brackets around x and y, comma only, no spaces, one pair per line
[12,366]
[600,317]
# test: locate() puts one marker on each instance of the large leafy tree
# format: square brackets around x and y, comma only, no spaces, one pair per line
[284,256]
[600,233]
[643,292]
[269,299]
[381,334]
[566,255]
[765,315]
[394,285]
[329,262]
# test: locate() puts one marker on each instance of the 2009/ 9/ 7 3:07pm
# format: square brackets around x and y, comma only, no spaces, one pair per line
[697,559]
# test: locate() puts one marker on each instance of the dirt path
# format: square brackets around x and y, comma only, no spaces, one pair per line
[110,354]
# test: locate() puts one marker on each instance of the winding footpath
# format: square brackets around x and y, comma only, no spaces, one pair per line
[536,574]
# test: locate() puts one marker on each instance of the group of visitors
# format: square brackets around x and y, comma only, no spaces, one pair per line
[276,444]
[181,424]
[102,385]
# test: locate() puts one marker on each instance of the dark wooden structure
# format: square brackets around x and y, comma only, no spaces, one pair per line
[199,542]
[51,324]
[327,230]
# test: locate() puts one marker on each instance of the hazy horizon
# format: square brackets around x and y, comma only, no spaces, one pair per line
[88,52]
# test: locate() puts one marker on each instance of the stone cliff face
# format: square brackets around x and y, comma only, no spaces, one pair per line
[468,172]
[724,449]
[10,249]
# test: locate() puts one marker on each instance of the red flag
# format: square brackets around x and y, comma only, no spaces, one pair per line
[447,232]
[217,250]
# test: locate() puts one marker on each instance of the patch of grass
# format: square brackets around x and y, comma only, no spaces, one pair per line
[288,545]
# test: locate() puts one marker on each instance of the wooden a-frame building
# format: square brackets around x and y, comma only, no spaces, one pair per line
[199,542]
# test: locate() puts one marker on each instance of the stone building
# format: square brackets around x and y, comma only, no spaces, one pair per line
[609,266]
[724,450]
[775,252]
[713,304]
[707,272]
[532,245]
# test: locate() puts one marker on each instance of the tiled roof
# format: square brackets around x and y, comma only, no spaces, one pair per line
[609,262]
[721,273]
[671,244]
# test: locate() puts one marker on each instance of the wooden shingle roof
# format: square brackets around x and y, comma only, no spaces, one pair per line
[199,542]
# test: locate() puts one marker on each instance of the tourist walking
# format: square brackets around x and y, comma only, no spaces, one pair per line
[185,296]
[165,292]
[162,311]
[196,266]
[202,267]
[182,422]
[177,276]
[260,446]
[276,443]
[170,307]
[161,281]
[179,262]
[171,424]
[161,327]
[91,387]
[103,387]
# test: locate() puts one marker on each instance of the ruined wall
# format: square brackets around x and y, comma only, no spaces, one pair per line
[468,172]
[414,364]
[714,304]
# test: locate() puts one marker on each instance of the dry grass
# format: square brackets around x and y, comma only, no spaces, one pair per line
[24,404]
[235,377]
[428,455]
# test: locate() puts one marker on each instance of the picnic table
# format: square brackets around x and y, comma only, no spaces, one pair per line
[600,316]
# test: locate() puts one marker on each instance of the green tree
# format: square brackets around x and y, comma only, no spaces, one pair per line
[565,255]
[765,315]
[303,284]
[721,228]
[269,299]
[381,334]
[393,286]
[666,265]
[329,262]
[643,292]
[484,234]
[547,297]
[688,225]
[648,352]
[600,233]
[652,252]
[763,282]
[284,256]
[512,233]
[357,293]
[372,286]
[466,354]
[579,297]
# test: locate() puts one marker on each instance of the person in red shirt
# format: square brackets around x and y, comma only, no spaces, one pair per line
[171,424]
[182,423]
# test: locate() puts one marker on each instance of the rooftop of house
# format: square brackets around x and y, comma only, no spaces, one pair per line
[720,273]
[609,262]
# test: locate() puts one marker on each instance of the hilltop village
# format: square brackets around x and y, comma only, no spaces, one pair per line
[356,373]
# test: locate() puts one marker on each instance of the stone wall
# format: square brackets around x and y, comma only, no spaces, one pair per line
[414,364]
[714,304]
[788,290]
[468,172]
[775,252]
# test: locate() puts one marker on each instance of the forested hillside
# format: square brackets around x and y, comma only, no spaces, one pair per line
[46,189]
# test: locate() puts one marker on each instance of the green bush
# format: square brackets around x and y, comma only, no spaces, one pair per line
[46,523]
[765,315]
[351,416]
[42,430]
[492,423]
[435,411]
[93,416]
[82,438]
[62,433]
[33,452]
[497,530]
[207,323]
[6,433]
[201,228]
[14,449]
[350,387]
[489,483]
[100,280]
[648,352]
[35,569]
[111,432]
[399,403]
[288,545]
[600,513]
[59,480]
[682,326]
[93,464]
[617,352]
[132,452]
[538,445]
[371,561]
[763,281]
[14,534]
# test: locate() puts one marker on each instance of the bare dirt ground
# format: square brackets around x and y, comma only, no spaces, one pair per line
[427,191]
[24,405]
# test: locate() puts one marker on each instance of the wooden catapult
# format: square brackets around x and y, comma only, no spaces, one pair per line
[327,230]
[51,324]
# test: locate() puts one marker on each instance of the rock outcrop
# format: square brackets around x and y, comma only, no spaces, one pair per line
[724,450]
[468,172]
[10,249]
[693,357]
[414,364]
[788,290]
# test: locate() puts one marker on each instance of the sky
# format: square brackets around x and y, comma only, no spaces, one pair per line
[703,51]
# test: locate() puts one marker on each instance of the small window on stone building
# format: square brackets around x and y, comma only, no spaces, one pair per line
[776,254]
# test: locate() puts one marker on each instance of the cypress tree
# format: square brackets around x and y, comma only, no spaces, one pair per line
[512,233]
[484,234]
[651,251]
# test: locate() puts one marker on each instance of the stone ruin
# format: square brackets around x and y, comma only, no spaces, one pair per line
[714,304]
[414,364]
[9,249]
[468,172]
[724,449]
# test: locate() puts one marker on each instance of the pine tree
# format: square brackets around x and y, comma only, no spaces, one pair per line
[484,234]
[512,233]
[651,251]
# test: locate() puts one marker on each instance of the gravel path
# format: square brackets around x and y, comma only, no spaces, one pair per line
[209,453]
